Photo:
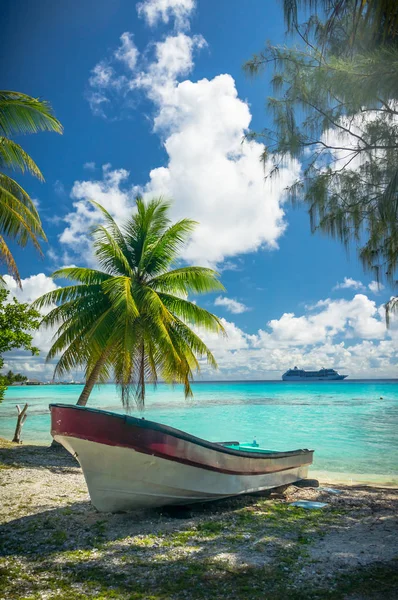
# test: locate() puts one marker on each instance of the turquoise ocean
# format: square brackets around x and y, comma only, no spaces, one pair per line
[351,425]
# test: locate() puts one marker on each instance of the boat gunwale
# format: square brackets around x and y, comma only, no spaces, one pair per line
[182,435]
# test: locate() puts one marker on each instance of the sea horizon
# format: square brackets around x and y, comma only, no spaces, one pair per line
[351,380]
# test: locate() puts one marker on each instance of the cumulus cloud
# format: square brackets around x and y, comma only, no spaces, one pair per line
[211,176]
[112,193]
[375,287]
[154,11]
[349,283]
[90,166]
[173,58]
[359,317]
[32,287]
[232,306]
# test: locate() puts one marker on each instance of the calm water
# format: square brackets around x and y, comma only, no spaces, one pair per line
[353,426]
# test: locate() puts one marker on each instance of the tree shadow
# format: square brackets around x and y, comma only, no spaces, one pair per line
[242,547]
[38,457]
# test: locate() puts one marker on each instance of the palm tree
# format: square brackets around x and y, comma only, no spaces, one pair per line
[19,219]
[133,318]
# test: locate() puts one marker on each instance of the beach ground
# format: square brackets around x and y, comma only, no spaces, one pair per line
[55,545]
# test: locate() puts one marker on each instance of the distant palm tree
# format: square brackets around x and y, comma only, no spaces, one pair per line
[19,219]
[133,318]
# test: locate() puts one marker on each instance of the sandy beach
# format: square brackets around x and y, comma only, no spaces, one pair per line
[55,545]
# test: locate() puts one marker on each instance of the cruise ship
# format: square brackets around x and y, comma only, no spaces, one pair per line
[321,375]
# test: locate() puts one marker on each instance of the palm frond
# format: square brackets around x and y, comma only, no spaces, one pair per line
[84,275]
[11,186]
[18,221]
[7,257]
[165,250]
[112,226]
[20,113]
[13,156]
[191,313]
[19,218]
[144,228]
[186,280]
[109,253]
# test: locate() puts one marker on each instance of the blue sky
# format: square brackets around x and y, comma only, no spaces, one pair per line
[153,98]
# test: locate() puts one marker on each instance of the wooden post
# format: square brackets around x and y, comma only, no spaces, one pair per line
[20,421]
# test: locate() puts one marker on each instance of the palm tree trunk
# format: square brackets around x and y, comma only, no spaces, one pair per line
[84,396]
[92,379]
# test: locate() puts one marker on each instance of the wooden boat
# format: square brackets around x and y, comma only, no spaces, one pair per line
[130,463]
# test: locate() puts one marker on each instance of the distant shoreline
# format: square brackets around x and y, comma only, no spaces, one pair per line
[225,381]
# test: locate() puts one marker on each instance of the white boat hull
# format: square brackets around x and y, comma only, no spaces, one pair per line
[121,479]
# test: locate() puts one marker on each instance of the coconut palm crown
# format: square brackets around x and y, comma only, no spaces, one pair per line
[132,318]
[19,219]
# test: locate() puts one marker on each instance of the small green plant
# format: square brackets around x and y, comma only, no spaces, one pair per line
[58,538]
[210,527]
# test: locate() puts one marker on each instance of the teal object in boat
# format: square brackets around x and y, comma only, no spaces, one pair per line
[249,447]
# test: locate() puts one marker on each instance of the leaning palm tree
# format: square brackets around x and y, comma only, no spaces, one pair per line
[132,318]
[19,219]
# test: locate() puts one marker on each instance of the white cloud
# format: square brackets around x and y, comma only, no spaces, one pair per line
[59,259]
[349,283]
[32,287]
[229,265]
[102,75]
[232,306]
[90,166]
[97,102]
[173,58]
[375,287]
[105,83]
[213,177]
[127,52]
[209,174]
[111,194]
[154,11]
[358,317]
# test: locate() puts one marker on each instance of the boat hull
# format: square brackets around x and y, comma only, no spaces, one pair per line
[131,463]
[121,479]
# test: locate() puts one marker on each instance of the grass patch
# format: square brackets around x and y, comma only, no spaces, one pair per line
[263,545]
[197,580]
[211,528]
